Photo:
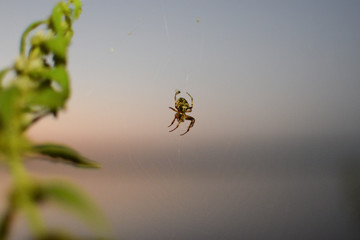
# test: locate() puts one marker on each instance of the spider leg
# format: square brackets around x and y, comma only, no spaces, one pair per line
[176,93]
[176,127]
[192,102]
[191,124]
[173,109]
[172,121]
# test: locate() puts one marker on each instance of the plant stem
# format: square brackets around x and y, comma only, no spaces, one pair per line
[26,32]
[24,196]
[23,186]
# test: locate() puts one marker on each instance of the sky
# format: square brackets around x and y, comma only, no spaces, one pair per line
[265,74]
[255,69]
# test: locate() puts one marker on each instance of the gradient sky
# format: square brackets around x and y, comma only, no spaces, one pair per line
[258,70]
[254,68]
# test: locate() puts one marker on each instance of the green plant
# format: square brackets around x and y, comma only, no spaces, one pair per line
[37,85]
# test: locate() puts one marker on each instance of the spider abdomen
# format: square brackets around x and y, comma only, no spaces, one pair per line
[182,105]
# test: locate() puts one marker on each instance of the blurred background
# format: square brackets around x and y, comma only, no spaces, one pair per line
[274,153]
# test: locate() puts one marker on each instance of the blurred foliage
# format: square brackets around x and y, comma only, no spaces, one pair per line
[35,86]
[64,154]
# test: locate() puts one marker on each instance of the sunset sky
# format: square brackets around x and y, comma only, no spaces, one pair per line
[254,68]
[259,72]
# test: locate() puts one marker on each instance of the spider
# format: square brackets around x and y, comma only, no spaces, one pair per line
[182,107]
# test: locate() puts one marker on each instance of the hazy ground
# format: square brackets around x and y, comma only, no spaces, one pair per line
[298,189]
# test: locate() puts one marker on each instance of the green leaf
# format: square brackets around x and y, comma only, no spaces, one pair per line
[60,76]
[48,98]
[75,200]
[58,46]
[64,154]
[54,94]
[77,8]
[56,18]
[7,106]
